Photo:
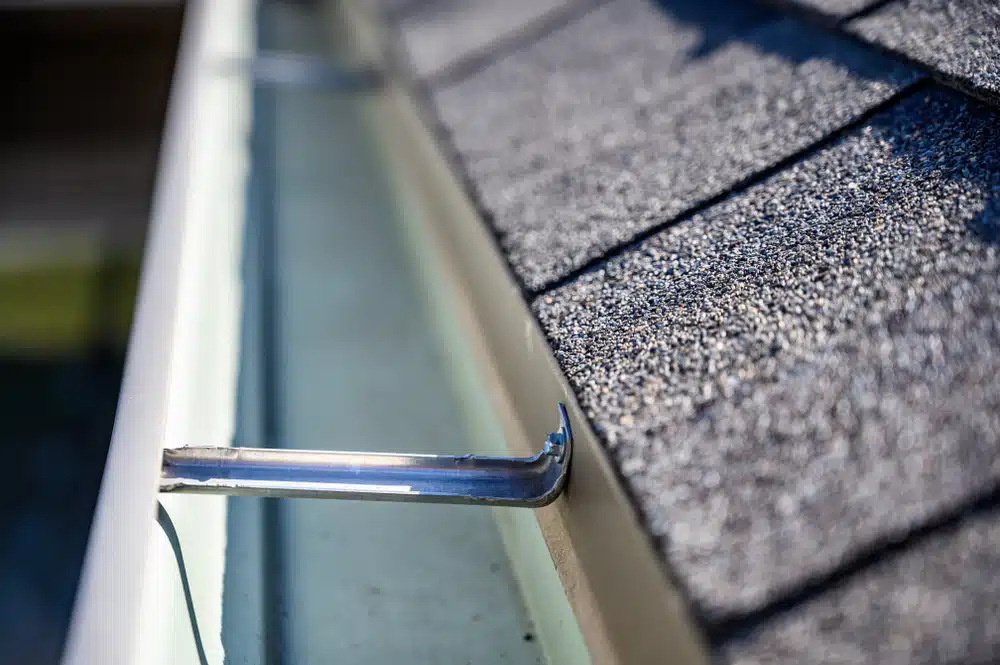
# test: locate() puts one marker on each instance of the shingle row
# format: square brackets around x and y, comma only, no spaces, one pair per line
[767,258]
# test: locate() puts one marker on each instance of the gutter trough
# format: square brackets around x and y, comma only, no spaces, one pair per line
[256,331]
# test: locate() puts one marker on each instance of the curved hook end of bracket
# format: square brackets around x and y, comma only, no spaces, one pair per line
[559,443]
[559,447]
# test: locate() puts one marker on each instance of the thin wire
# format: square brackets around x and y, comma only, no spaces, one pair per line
[167,525]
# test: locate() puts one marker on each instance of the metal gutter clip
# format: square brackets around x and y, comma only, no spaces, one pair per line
[319,474]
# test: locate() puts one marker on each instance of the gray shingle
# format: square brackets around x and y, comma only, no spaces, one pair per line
[632,115]
[835,8]
[959,38]
[394,9]
[440,33]
[937,603]
[809,367]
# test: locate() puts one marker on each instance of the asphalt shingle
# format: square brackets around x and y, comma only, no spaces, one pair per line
[396,9]
[958,38]
[809,368]
[938,602]
[834,8]
[633,114]
[440,33]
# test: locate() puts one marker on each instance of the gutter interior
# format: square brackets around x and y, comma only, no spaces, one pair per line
[344,347]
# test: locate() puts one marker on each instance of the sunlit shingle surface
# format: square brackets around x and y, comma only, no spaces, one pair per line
[633,114]
[810,366]
[766,256]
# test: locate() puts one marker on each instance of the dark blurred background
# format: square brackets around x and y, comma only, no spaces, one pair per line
[84,98]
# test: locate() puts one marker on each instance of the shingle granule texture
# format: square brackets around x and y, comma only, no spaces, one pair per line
[959,39]
[395,9]
[633,114]
[440,33]
[938,602]
[810,367]
[834,8]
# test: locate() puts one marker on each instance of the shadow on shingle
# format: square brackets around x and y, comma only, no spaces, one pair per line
[719,22]
[637,116]
[986,225]
[722,23]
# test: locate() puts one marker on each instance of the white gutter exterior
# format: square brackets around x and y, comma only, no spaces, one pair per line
[180,373]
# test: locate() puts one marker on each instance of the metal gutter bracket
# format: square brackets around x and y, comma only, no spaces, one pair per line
[319,474]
